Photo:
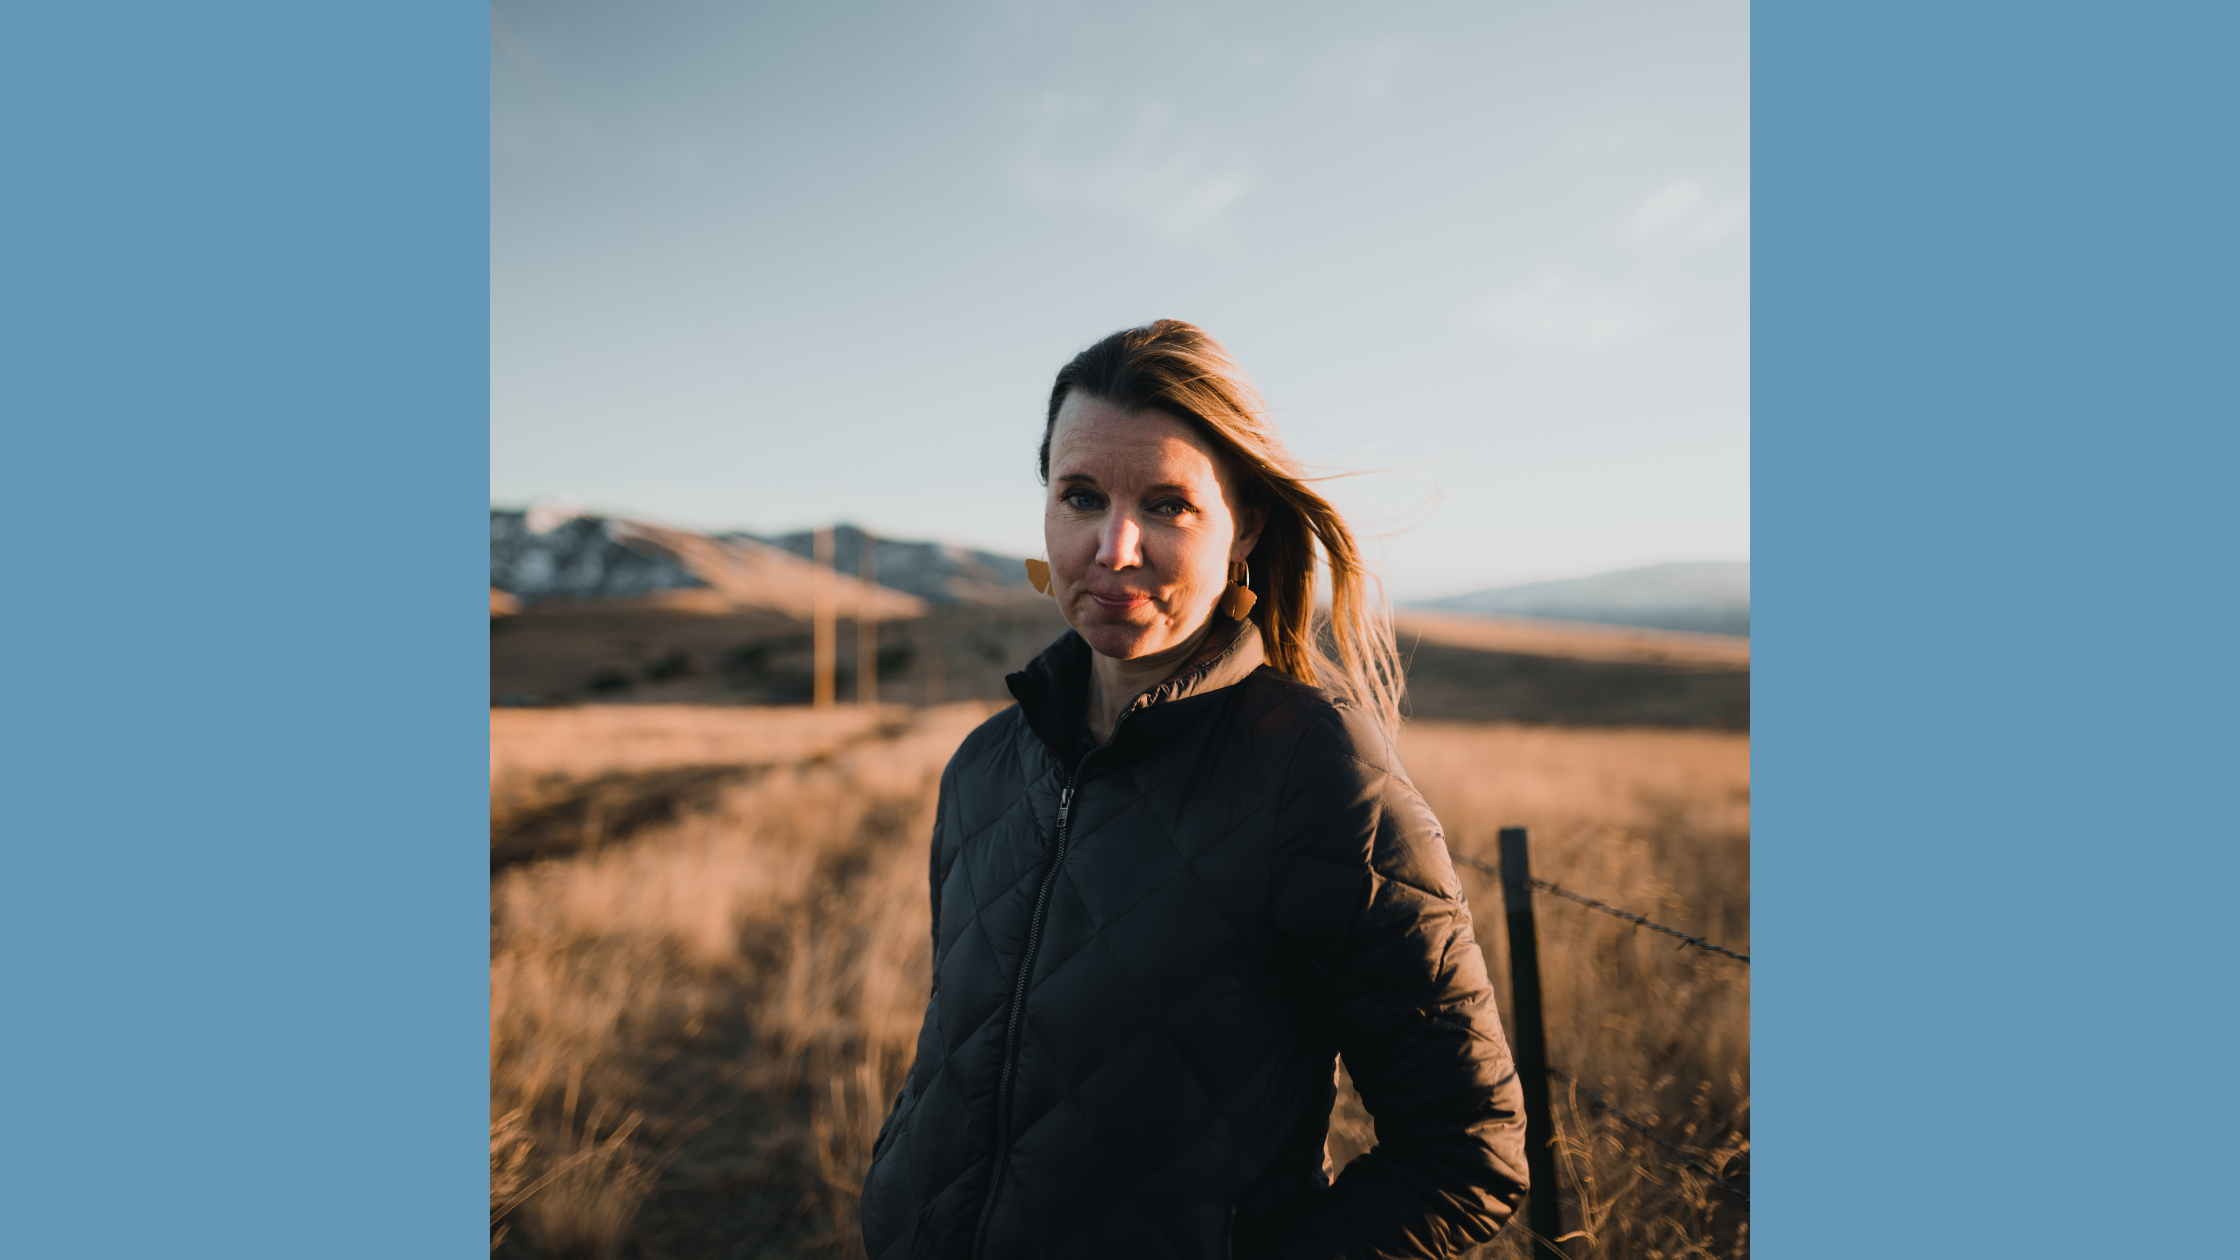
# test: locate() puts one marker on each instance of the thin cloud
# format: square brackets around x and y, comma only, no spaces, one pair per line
[1180,179]
[1560,310]
[1362,70]
[1665,206]
[1724,222]
[1684,211]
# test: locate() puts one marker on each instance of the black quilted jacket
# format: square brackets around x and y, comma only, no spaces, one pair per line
[1147,957]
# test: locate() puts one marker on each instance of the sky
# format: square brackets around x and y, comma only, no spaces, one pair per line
[760,267]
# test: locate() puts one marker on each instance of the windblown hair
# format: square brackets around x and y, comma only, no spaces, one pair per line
[1176,368]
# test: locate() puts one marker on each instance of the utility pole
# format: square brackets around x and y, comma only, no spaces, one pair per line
[820,586]
[936,671]
[867,624]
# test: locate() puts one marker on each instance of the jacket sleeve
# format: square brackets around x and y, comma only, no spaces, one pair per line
[1368,897]
[938,857]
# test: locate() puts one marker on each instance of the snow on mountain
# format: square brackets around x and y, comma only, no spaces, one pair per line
[591,558]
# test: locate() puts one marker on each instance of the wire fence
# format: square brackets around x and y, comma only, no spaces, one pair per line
[1628,915]
[1533,1068]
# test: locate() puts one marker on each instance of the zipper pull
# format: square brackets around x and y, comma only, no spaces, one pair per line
[1065,804]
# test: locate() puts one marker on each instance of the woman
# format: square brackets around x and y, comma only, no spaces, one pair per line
[1184,875]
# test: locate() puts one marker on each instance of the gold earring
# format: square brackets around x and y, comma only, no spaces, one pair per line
[1038,574]
[1238,599]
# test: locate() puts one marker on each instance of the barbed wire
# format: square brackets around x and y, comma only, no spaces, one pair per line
[1651,1134]
[1627,915]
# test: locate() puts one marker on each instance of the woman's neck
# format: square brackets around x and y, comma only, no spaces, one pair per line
[1114,683]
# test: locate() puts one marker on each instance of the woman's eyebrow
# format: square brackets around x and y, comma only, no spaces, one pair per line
[1082,477]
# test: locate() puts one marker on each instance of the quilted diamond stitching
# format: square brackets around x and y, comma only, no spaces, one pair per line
[1155,809]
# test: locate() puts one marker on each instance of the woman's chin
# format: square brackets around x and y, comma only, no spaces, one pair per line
[1118,639]
[1124,638]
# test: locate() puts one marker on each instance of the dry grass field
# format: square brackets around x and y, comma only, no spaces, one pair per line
[708,963]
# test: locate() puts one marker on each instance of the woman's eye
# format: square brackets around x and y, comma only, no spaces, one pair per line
[1081,501]
[1170,507]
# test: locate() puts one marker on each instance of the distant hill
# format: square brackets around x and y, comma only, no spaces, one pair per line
[538,557]
[1482,667]
[592,609]
[610,609]
[575,557]
[939,573]
[1705,597]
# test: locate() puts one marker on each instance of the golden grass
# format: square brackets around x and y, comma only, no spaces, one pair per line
[599,739]
[1656,822]
[696,1029]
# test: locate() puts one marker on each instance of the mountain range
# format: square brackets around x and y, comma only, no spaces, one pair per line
[939,573]
[540,554]
[1711,597]
[592,609]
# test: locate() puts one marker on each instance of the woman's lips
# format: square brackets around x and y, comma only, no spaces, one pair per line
[1120,603]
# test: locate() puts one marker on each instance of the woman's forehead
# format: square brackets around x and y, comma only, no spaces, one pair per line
[1096,438]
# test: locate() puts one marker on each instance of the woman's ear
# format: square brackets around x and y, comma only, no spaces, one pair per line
[1250,522]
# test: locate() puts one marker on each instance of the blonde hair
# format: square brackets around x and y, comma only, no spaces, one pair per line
[1176,368]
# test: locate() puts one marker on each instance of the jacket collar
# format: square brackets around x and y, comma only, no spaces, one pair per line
[1053,690]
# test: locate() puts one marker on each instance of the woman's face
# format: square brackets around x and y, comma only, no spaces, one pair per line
[1141,527]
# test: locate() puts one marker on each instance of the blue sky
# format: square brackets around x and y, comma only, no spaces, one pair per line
[757,267]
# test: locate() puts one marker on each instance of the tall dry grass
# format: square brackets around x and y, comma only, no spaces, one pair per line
[1657,822]
[696,1031]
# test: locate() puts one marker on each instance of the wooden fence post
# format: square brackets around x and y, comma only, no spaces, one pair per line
[867,623]
[1532,1042]
[821,637]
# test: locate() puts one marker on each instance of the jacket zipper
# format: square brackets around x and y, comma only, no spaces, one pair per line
[1019,1006]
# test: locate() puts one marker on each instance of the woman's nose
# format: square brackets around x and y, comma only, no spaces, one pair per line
[1121,546]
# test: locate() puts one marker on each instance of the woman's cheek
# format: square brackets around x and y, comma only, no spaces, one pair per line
[1067,563]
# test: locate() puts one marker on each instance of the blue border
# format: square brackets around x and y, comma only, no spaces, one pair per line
[242,919]
[1995,632]
[243,925]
